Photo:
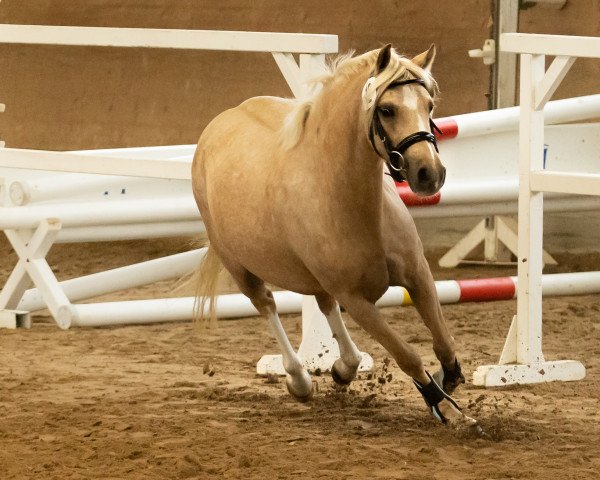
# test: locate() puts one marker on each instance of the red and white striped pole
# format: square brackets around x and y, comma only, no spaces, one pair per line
[488,122]
[319,349]
[498,288]
[506,119]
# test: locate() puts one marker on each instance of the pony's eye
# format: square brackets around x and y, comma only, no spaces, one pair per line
[386,112]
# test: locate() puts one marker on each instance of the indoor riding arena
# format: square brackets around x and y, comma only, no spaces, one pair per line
[111,367]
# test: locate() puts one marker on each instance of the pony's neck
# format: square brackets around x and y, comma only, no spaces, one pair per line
[351,163]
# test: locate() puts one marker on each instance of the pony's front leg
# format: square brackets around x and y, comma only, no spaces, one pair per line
[440,403]
[423,294]
[344,369]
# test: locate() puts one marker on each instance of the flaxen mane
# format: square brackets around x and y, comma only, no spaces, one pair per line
[339,69]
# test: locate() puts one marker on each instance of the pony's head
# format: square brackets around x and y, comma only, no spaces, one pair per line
[398,99]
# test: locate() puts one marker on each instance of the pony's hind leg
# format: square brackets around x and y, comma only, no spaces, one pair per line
[298,381]
[344,368]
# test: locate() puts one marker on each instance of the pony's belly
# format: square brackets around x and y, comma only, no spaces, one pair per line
[275,265]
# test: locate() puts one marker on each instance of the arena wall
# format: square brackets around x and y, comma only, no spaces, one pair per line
[77,98]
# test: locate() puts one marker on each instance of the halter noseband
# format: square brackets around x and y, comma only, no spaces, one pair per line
[395,153]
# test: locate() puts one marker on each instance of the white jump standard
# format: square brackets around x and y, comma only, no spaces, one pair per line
[522,360]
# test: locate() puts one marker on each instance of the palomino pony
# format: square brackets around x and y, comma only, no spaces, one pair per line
[293,193]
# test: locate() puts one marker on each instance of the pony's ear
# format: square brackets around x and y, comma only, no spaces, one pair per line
[383,59]
[425,59]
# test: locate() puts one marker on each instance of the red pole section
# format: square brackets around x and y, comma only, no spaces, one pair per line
[448,126]
[411,199]
[487,289]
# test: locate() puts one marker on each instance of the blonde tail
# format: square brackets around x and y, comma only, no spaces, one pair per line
[206,278]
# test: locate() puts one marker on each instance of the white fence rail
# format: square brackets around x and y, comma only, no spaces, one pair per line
[170,38]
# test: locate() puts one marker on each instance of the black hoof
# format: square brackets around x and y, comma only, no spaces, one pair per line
[450,378]
[338,377]
[302,393]
[306,398]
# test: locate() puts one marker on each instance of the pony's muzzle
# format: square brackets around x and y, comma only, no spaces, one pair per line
[428,179]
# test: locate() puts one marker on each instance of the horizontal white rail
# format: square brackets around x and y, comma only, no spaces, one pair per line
[141,312]
[130,276]
[169,209]
[84,163]
[159,152]
[84,220]
[540,44]
[561,204]
[169,38]
[70,187]
[24,188]
[496,190]
[134,231]
[238,305]
[561,182]
[506,119]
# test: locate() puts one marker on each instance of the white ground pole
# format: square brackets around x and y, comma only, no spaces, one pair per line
[522,360]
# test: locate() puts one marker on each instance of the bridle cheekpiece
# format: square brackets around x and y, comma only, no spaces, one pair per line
[395,153]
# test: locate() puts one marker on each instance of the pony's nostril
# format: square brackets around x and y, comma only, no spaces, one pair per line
[423,175]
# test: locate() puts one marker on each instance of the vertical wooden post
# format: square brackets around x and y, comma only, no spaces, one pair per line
[505,69]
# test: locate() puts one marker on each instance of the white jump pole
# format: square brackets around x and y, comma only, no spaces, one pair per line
[469,195]
[130,276]
[72,162]
[159,152]
[183,209]
[506,119]
[138,312]
[172,209]
[170,39]
[316,334]
[237,305]
[134,231]
[62,186]
[502,208]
